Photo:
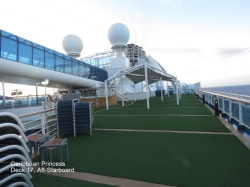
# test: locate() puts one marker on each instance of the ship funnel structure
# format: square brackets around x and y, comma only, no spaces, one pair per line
[118,35]
[134,53]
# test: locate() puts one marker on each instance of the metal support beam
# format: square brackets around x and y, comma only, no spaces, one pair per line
[122,91]
[106,94]
[146,79]
[161,90]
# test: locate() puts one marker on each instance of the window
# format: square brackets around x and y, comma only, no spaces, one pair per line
[82,72]
[24,54]
[38,57]
[59,64]
[8,49]
[49,61]
[74,67]
[67,66]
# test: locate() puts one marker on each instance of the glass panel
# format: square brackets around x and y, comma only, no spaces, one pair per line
[48,50]
[226,104]
[235,110]
[38,46]
[59,64]
[82,72]
[67,66]
[246,114]
[8,49]
[74,67]
[49,61]
[87,72]
[220,104]
[22,40]
[38,58]
[8,35]
[93,74]
[25,54]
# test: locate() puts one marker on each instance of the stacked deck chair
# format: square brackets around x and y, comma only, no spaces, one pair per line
[74,117]
[83,117]
[14,157]
[65,117]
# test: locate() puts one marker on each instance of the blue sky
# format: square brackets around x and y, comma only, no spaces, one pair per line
[196,40]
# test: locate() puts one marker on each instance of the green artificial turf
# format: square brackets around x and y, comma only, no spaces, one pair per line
[189,106]
[176,123]
[156,111]
[183,160]
[44,180]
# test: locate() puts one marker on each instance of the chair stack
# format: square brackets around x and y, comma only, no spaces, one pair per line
[65,123]
[83,117]
[74,117]
[14,158]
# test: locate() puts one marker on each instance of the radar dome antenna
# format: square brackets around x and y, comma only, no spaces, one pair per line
[118,35]
[72,45]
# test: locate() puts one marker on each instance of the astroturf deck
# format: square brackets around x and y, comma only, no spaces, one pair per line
[175,123]
[176,159]
[183,160]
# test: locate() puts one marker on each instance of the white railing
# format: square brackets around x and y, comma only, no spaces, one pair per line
[43,124]
[235,106]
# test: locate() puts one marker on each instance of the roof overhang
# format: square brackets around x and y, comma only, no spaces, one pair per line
[137,74]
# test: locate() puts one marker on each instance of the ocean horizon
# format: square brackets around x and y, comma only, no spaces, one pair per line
[236,89]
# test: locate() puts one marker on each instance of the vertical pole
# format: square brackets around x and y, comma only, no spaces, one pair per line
[106,94]
[142,91]
[43,120]
[180,91]
[161,90]
[122,91]
[45,94]
[167,89]
[177,92]
[4,99]
[134,93]
[146,79]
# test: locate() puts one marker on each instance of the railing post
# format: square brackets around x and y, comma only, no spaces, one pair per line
[43,122]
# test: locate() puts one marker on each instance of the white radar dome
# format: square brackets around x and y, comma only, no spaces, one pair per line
[72,45]
[118,35]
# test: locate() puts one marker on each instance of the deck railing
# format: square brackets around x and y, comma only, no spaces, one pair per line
[235,106]
[46,123]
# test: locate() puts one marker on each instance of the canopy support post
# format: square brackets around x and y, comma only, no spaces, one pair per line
[146,79]
[177,92]
[106,94]
[161,90]
[122,91]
